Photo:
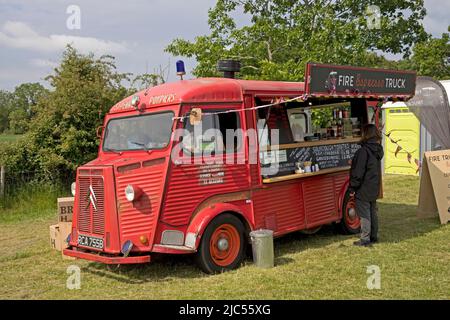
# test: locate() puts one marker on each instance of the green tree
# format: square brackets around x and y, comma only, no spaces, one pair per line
[6,99]
[62,135]
[19,121]
[432,58]
[25,99]
[285,34]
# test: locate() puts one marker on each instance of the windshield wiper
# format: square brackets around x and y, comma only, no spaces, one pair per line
[112,150]
[138,143]
[143,145]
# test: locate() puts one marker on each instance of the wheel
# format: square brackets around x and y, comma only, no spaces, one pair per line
[222,246]
[311,231]
[350,223]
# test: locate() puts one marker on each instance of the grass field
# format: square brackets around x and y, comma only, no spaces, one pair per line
[413,256]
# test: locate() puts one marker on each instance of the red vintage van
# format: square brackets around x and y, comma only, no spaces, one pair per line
[149,191]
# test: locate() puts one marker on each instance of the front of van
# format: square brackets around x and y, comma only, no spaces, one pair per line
[118,195]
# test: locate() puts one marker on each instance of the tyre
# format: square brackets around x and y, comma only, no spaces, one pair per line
[350,223]
[223,244]
[311,231]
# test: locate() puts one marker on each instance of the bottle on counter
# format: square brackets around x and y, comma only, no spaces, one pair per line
[346,113]
[329,130]
[334,126]
[340,125]
[307,166]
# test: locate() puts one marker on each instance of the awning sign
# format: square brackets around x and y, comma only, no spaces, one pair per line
[333,80]
[434,194]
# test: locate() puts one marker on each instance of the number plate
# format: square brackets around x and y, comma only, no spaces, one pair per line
[91,242]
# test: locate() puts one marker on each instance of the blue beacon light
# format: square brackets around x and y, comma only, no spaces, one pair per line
[181,71]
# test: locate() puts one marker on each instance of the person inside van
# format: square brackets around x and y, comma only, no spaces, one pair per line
[365,180]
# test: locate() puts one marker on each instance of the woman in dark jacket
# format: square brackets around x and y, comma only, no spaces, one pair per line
[365,180]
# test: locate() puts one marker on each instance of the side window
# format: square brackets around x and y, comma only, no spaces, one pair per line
[228,125]
[215,133]
[277,119]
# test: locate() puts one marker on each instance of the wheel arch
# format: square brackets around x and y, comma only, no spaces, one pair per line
[342,193]
[201,220]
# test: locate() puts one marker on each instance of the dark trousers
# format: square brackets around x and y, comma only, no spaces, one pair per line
[368,213]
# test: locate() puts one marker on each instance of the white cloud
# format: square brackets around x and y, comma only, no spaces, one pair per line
[15,34]
[436,20]
[43,63]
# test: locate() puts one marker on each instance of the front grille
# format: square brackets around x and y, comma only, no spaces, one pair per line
[91,218]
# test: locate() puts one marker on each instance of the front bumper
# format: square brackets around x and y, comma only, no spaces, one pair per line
[106,259]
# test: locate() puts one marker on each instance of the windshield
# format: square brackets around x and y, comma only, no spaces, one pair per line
[144,132]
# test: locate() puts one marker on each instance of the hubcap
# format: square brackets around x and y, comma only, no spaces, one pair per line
[352,213]
[222,245]
[351,216]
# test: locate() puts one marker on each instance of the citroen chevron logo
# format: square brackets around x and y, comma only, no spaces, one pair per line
[91,198]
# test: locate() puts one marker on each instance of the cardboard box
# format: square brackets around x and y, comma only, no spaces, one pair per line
[434,196]
[54,241]
[65,209]
[58,235]
[64,229]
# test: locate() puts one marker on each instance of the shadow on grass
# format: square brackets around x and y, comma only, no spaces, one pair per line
[398,222]
[162,268]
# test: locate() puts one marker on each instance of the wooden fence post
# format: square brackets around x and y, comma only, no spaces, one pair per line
[2,181]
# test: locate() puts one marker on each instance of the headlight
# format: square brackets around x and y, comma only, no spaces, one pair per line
[132,193]
[129,192]
[73,188]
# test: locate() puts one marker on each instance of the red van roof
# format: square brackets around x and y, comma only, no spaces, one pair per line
[209,90]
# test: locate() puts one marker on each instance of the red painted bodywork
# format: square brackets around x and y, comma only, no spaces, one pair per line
[106,259]
[172,197]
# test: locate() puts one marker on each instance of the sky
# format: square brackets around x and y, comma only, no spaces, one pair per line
[34,33]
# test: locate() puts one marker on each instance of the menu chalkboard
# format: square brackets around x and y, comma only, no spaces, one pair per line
[326,156]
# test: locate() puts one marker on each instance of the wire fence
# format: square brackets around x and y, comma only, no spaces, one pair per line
[13,183]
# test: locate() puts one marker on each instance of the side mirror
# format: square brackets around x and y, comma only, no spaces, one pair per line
[195,117]
[100,132]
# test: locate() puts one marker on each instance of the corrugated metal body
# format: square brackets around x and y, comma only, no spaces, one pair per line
[190,185]
[98,217]
[91,205]
[139,218]
[84,210]
[320,200]
[284,203]
[299,204]
[339,182]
